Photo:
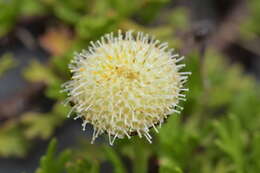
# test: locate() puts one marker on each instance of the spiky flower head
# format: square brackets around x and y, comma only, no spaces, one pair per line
[125,84]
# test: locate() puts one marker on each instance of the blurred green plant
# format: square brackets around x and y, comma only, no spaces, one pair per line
[250,29]
[7,62]
[218,131]
[50,163]
[12,141]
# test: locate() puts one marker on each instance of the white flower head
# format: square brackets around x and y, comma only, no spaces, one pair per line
[125,84]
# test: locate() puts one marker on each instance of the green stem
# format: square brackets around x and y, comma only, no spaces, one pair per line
[140,160]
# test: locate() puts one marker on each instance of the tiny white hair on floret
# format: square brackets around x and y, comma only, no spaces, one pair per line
[125,84]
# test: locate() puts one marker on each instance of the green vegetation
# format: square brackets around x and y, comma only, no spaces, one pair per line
[217,132]
[7,62]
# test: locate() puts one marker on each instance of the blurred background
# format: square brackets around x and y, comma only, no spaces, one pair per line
[219,129]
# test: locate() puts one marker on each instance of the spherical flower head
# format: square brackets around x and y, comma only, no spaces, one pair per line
[125,85]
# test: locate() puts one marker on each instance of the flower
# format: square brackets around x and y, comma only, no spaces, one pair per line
[125,84]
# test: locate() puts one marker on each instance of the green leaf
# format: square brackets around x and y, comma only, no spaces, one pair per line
[83,165]
[231,140]
[38,125]
[177,141]
[32,8]
[124,10]
[7,62]
[8,14]
[255,152]
[168,166]
[12,141]
[52,163]
[179,19]
[250,28]
[150,9]
[92,27]
[113,157]
[43,125]
[66,14]
[38,72]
